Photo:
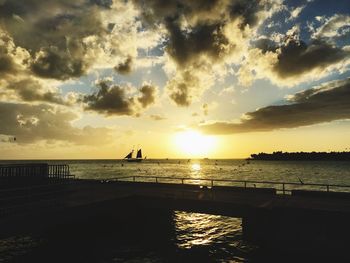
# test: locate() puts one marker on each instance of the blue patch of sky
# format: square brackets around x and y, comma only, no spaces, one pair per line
[282,24]
[85,84]
[321,8]
[155,75]
[262,93]
[155,51]
[325,8]
[82,85]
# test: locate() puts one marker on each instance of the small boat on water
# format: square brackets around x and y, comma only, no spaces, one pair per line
[130,158]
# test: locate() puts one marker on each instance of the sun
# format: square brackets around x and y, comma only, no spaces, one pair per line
[194,144]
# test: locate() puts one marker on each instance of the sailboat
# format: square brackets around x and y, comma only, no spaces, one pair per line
[138,158]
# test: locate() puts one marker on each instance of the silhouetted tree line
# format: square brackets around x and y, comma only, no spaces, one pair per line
[302,156]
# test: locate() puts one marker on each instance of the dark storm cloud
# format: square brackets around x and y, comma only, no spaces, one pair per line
[297,57]
[248,10]
[102,3]
[33,123]
[287,61]
[125,67]
[204,10]
[203,39]
[6,63]
[51,63]
[205,35]
[114,100]
[322,104]
[110,100]
[202,32]
[265,45]
[156,10]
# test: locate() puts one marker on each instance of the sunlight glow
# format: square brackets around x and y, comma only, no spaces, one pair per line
[196,167]
[194,144]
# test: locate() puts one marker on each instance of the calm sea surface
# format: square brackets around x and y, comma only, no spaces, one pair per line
[198,237]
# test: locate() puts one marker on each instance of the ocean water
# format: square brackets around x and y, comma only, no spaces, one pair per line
[196,237]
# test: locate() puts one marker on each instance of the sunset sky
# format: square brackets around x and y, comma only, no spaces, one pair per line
[181,79]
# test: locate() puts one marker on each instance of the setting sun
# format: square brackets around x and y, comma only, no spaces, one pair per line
[194,143]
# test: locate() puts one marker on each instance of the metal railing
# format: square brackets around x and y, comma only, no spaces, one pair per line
[281,187]
[50,194]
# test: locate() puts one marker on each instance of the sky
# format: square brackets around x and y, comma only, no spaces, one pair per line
[90,79]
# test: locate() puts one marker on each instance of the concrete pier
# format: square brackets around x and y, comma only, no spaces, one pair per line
[302,222]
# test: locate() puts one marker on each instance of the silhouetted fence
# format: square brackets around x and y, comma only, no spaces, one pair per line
[59,171]
[24,187]
[37,170]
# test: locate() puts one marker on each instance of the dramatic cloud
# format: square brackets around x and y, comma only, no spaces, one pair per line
[293,61]
[116,100]
[326,103]
[148,95]
[33,123]
[31,90]
[53,33]
[183,88]
[65,40]
[203,33]
[16,82]
[185,48]
[124,67]
[13,60]
[52,63]
[296,57]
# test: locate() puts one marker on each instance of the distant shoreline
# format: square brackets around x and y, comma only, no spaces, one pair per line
[301,156]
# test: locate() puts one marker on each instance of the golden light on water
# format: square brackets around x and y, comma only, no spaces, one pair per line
[193,143]
[196,167]
[193,229]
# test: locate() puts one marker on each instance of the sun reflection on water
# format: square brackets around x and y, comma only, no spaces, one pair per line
[196,173]
[196,167]
[194,229]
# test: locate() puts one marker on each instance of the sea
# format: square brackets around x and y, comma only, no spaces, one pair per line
[194,237]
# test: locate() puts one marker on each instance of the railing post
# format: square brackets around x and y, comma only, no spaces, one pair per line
[245,184]
[182,180]
[156,179]
[283,189]
[327,188]
[212,182]
[133,178]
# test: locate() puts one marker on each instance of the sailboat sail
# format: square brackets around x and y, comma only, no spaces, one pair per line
[129,155]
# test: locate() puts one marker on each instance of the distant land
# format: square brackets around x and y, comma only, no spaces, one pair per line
[301,156]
